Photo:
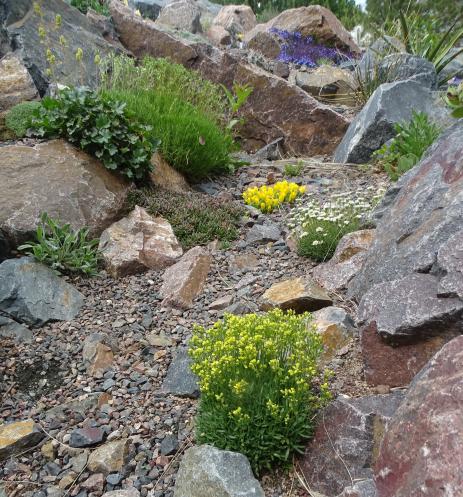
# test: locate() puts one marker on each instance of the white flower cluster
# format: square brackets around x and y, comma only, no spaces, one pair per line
[340,211]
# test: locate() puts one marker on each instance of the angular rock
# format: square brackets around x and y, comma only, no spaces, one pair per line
[236,19]
[12,329]
[34,294]
[97,354]
[169,445]
[407,309]
[105,26]
[423,211]
[137,242]
[148,8]
[346,262]
[420,454]
[221,303]
[298,294]
[346,441]
[330,83]
[263,233]
[390,103]
[166,177]
[274,109]
[180,380]
[266,44]
[16,84]
[336,327]
[110,457]
[183,281]
[407,359]
[80,406]
[312,20]
[218,36]
[209,472]
[405,66]
[94,483]
[59,179]
[21,25]
[183,15]
[86,437]
[18,436]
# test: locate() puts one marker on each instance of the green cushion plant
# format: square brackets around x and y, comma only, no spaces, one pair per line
[19,117]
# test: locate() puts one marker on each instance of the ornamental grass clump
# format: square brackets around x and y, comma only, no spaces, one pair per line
[267,198]
[260,384]
[318,226]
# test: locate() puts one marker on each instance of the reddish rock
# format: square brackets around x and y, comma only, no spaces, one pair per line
[346,442]
[394,366]
[236,19]
[59,179]
[94,483]
[183,281]
[218,36]
[313,20]
[275,109]
[266,44]
[346,262]
[422,454]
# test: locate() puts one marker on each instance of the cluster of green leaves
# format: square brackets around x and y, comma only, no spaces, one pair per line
[260,383]
[100,6]
[101,126]
[196,219]
[408,146]
[294,170]
[454,99]
[19,117]
[63,249]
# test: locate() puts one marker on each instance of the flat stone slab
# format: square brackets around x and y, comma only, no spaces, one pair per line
[17,437]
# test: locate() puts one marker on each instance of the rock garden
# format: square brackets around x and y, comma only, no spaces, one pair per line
[231,256]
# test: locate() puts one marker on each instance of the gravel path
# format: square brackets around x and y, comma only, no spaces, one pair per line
[49,372]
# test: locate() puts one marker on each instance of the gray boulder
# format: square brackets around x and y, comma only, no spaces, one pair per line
[209,472]
[374,125]
[148,8]
[12,329]
[20,24]
[183,15]
[34,294]
[404,66]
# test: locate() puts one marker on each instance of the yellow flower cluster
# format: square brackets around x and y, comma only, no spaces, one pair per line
[266,198]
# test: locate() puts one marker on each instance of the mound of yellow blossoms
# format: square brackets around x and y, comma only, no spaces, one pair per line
[266,198]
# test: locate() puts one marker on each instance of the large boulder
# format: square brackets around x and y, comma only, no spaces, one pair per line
[274,109]
[346,442]
[405,66]
[59,179]
[151,8]
[209,472]
[21,23]
[16,84]
[313,20]
[374,125]
[32,293]
[421,454]
[183,15]
[137,242]
[236,19]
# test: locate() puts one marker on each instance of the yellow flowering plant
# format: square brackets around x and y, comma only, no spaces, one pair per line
[260,384]
[267,198]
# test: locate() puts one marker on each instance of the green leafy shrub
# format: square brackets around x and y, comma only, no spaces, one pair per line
[63,249]
[190,141]
[119,72]
[196,219]
[454,99]
[319,226]
[101,126]
[408,146]
[100,6]
[260,384]
[293,170]
[19,117]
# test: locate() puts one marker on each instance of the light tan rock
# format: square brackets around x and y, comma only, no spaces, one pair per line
[110,457]
[137,242]
[16,84]
[48,450]
[313,20]
[166,177]
[236,19]
[184,15]
[18,436]
[59,179]
[330,82]
[298,294]
[183,281]
[346,262]
[218,36]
